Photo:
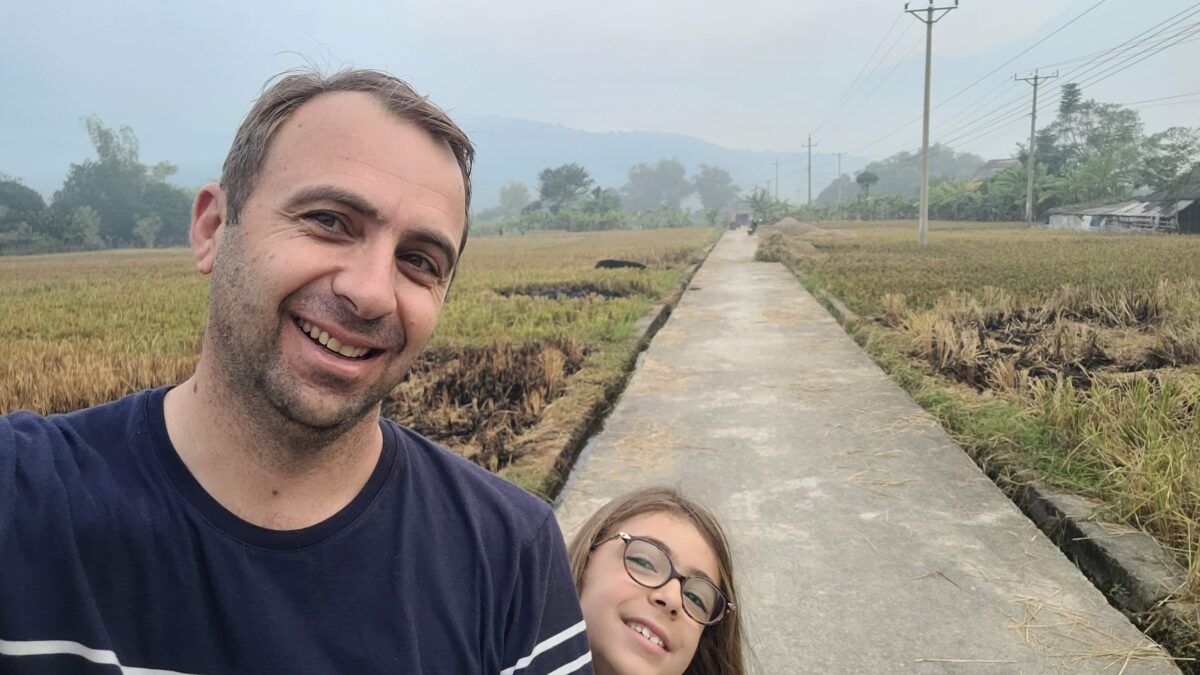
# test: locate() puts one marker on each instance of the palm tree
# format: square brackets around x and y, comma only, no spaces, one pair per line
[865,180]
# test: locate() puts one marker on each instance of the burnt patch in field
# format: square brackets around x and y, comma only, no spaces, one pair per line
[1074,336]
[564,291]
[477,400]
[608,289]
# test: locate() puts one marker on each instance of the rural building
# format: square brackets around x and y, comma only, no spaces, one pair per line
[1166,211]
[992,167]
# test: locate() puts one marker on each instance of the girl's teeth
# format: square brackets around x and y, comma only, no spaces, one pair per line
[646,633]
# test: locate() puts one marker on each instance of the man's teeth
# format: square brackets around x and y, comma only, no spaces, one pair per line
[646,633]
[332,343]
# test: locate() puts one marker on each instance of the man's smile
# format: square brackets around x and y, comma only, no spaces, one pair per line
[333,344]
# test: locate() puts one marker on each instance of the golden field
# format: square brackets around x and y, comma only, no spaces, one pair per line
[529,323]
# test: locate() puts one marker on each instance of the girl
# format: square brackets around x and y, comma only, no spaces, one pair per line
[655,582]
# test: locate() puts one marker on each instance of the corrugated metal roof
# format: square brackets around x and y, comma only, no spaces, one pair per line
[1156,204]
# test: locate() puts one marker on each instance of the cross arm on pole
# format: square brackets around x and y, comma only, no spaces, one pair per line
[929,18]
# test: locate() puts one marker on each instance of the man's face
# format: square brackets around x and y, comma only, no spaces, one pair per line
[330,284]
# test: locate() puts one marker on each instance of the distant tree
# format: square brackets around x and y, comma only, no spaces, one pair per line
[765,207]
[715,187]
[172,206]
[865,180]
[1171,156]
[20,199]
[83,232]
[563,186]
[953,199]
[146,230]
[22,216]
[664,184]
[111,184]
[514,196]
[602,200]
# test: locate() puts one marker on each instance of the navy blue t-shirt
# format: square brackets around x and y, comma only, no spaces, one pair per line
[114,559]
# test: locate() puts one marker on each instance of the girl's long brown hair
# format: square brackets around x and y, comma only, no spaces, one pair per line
[720,650]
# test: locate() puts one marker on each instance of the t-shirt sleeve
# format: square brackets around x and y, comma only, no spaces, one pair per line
[545,633]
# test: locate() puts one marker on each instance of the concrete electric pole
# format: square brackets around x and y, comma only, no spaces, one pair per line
[838,182]
[1032,163]
[928,20]
[776,163]
[809,145]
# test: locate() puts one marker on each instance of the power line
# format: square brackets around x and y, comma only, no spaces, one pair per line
[877,86]
[1009,112]
[1098,59]
[992,72]
[1164,98]
[853,82]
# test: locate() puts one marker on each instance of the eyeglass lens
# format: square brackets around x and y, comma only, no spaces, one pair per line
[649,565]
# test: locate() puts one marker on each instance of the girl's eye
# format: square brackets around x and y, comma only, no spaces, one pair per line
[697,601]
[641,562]
[327,220]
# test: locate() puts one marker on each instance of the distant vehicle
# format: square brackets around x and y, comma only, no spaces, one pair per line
[737,220]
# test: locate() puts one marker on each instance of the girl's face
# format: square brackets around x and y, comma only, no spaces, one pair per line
[617,608]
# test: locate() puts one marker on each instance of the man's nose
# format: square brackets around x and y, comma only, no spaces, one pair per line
[367,281]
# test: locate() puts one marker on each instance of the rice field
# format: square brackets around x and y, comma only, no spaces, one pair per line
[1070,357]
[532,339]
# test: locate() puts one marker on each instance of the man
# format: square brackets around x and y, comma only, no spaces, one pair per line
[261,517]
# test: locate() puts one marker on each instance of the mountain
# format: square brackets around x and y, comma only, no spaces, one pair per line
[511,149]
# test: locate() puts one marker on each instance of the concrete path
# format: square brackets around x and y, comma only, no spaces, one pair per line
[867,541]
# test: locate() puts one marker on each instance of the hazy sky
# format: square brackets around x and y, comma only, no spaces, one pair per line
[751,74]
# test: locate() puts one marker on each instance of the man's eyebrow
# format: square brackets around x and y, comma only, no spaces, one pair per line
[693,572]
[432,237]
[330,193]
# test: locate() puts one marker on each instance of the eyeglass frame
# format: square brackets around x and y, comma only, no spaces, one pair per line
[674,574]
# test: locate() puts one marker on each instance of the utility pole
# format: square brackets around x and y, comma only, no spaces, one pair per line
[776,163]
[928,20]
[1032,163]
[809,145]
[838,182]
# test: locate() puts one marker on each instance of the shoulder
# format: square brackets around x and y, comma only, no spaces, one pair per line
[38,448]
[468,488]
[127,415]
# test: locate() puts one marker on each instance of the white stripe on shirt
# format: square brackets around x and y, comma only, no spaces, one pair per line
[548,643]
[574,665]
[64,647]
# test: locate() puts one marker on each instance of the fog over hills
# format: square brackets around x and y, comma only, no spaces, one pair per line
[508,149]
[515,149]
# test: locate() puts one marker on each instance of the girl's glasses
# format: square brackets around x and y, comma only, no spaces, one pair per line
[650,566]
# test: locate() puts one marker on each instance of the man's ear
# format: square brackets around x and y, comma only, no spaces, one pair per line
[208,224]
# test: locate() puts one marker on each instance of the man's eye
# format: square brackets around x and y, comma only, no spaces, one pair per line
[326,220]
[421,262]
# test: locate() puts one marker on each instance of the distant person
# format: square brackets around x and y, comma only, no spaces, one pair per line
[656,582]
[261,517]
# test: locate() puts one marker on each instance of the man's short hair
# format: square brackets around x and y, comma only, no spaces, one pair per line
[295,88]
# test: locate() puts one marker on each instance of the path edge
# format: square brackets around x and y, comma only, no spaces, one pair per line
[1136,574]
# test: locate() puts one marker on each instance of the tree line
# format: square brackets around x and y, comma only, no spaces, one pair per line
[1091,152]
[566,197]
[111,201]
